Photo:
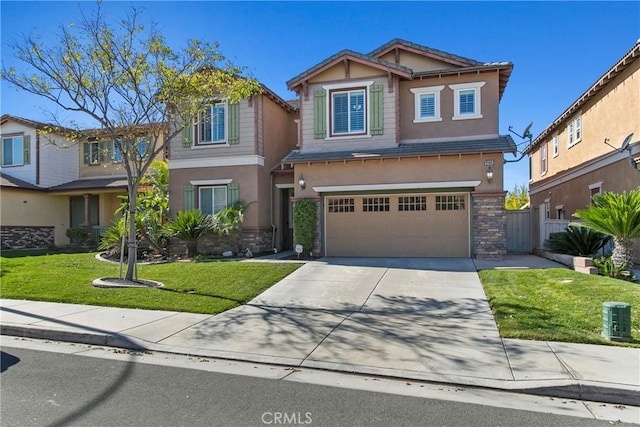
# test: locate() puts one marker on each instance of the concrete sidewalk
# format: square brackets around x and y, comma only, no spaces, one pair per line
[361,316]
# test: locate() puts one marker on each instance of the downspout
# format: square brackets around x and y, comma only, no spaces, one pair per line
[273,227]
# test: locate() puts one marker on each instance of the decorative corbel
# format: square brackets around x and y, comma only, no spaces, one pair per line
[305,91]
[390,81]
[345,62]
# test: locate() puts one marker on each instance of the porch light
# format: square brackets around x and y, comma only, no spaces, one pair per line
[302,183]
[489,165]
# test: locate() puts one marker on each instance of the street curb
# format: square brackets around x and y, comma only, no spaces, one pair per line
[566,389]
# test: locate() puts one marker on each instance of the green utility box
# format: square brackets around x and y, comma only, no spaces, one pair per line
[616,321]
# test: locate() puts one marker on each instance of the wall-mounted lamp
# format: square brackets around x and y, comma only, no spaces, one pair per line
[302,183]
[489,165]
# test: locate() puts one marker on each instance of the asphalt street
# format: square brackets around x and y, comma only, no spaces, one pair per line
[55,384]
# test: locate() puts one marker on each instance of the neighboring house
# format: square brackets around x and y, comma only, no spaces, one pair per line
[227,155]
[34,159]
[401,150]
[50,184]
[578,155]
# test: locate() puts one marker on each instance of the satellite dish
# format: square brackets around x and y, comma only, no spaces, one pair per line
[527,131]
[625,143]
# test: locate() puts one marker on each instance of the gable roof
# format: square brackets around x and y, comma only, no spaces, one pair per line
[32,123]
[460,63]
[624,62]
[500,144]
[351,55]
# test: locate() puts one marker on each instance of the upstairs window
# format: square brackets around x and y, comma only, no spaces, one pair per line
[15,150]
[543,159]
[574,131]
[348,112]
[467,100]
[427,104]
[211,125]
[555,146]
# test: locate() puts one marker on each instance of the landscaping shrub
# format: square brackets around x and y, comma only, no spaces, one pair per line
[606,267]
[191,226]
[304,223]
[577,241]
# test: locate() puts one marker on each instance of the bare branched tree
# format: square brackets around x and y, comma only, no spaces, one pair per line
[127,79]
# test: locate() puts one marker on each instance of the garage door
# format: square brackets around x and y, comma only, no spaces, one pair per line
[398,225]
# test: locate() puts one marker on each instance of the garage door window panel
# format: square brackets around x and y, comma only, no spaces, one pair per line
[341,205]
[412,203]
[375,204]
[450,203]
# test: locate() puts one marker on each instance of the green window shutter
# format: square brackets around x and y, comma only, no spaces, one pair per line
[26,148]
[233,193]
[377,117]
[87,155]
[187,135]
[234,123]
[319,114]
[189,197]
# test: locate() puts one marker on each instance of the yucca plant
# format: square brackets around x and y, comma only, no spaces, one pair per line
[191,226]
[617,215]
[578,241]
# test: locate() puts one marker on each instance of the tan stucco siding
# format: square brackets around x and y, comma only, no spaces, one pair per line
[30,208]
[108,203]
[611,114]
[245,176]
[388,139]
[574,193]
[246,146]
[397,171]
[417,63]
[447,127]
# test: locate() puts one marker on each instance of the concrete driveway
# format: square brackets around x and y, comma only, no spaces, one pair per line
[427,316]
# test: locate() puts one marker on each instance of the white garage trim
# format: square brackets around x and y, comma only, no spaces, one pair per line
[401,186]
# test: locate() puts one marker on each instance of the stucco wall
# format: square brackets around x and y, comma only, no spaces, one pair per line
[34,208]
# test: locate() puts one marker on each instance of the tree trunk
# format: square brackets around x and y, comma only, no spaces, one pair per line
[192,248]
[623,252]
[133,244]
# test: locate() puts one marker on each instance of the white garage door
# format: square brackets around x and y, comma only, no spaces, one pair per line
[398,225]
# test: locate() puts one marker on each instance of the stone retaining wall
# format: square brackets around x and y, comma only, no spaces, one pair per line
[13,236]
[258,241]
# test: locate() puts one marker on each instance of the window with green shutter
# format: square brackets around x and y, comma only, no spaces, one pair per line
[233,193]
[234,123]
[377,108]
[189,202]
[319,114]
[16,150]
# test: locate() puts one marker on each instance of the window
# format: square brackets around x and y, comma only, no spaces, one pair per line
[543,159]
[94,153]
[547,209]
[412,203]
[212,199]
[594,189]
[375,204]
[574,131]
[15,151]
[427,104]
[555,146]
[100,152]
[348,112]
[341,205]
[560,211]
[142,145]
[466,100]
[117,154]
[211,125]
[450,203]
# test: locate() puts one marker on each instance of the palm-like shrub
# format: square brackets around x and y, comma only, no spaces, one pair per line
[578,241]
[229,222]
[190,226]
[617,215]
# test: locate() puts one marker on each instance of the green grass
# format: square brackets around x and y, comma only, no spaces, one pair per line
[211,287]
[557,304]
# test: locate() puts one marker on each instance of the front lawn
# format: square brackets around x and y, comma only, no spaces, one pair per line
[210,288]
[556,304]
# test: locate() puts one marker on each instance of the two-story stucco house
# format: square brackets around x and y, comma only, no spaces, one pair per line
[34,159]
[400,148]
[50,184]
[227,155]
[579,154]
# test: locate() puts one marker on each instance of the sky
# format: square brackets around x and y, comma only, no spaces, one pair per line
[559,49]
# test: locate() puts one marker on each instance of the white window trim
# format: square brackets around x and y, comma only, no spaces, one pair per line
[556,145]
[574,133]
[367,88]
[417,91]
[456,100]
[223,142]
[12,137]
[210,182]
[595,185]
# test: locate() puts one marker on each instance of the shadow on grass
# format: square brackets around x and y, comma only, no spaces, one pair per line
[192,292]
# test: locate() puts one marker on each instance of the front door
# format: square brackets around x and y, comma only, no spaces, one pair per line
[77,210]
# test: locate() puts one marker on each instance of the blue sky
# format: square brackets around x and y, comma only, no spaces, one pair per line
[558,48]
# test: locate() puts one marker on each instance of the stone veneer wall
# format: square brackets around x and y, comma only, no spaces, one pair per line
[26,237]
[489,225]
[258,241]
